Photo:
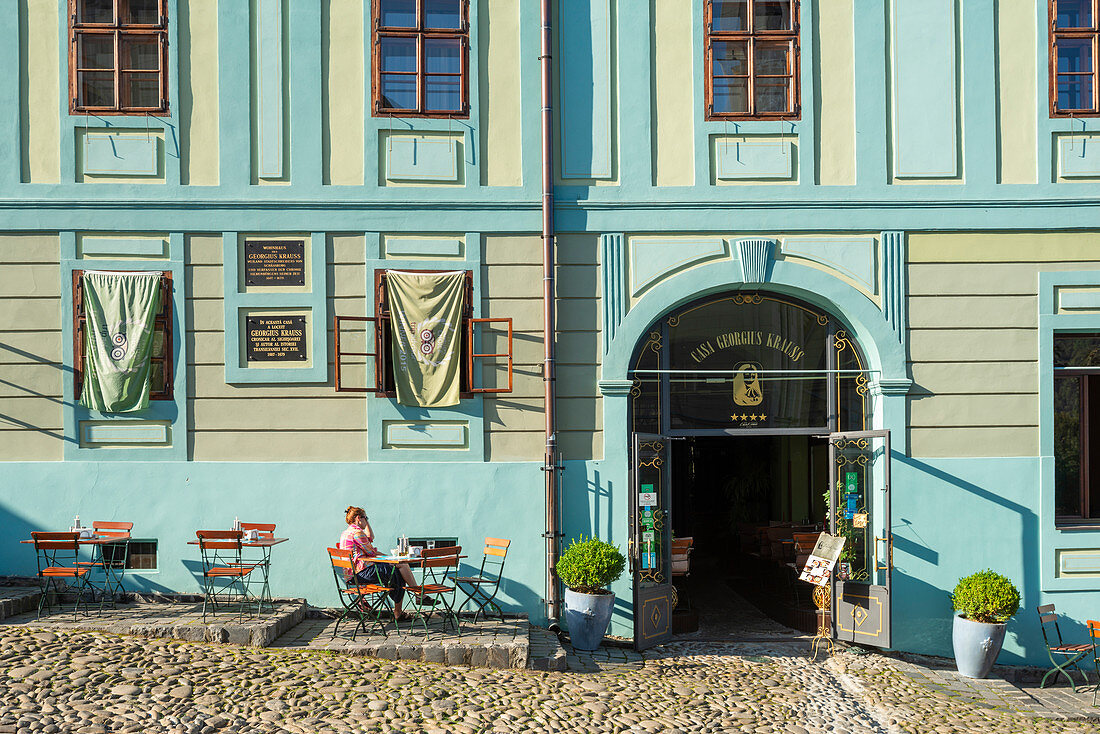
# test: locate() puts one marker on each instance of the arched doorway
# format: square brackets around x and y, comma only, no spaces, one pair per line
[743,409]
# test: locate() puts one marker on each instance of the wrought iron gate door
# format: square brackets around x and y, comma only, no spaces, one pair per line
[650,540]
[860,499]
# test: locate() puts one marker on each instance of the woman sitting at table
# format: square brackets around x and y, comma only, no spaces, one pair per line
[358,537]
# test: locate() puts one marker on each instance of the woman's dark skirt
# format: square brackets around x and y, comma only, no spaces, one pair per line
[386,575]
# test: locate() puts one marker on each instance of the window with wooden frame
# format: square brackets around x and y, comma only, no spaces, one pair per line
[478,333]
[1074,32]
[1076,427]
[421,58]
[162,373]
[752,59]
[118,57]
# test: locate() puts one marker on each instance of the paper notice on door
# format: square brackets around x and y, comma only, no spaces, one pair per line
[819,566]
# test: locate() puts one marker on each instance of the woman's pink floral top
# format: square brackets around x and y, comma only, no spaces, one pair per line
[355,539]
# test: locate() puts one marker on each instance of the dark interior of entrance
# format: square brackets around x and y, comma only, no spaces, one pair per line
[743,500]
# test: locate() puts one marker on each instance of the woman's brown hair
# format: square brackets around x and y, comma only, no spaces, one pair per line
[353,512]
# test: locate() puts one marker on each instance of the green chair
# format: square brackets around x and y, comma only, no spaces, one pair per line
[1069,654]
[1094,633]
[482,588]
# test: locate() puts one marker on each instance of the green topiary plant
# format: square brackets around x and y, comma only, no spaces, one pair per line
[588,566]
[986,596]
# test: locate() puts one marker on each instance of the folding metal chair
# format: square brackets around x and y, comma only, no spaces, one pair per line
[1070,654]
[363,602]
[262,559]
[1094,633]
[482,588]
[110,558]
[52,551]
[221,563]
[435,566]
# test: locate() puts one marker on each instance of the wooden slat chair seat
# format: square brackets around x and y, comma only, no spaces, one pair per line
[481,590]
[437,566]
[53,552]
[681,556]
[1093,627]
[1071,654]
[363,602]
[221,562]
[111,558]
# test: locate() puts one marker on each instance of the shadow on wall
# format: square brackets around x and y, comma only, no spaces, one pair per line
[592,517]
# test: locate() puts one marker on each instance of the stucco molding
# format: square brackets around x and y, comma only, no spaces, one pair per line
[895,284]
[756,258]
[891,387]
[615,388]
[614,283]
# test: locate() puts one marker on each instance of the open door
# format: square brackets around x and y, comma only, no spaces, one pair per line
[860,497]
[650,540]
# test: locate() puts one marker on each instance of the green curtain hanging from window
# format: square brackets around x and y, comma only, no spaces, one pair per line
[120,309]
[427,336]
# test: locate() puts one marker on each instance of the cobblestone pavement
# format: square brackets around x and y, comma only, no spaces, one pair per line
[94,682]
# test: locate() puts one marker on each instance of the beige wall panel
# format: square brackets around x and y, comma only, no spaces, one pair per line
[577,249]
[276,445]
[963,378]
[21,412]
[343,91]
[347,249]
[30,280]
[974,410]
[990,441]
[577,281]
[1043,247]
[514,414]
[526,348]
[581,444]
[985,278]
[206,348]
[348,281]
[204,281]
[498,28]
[31,379]
[578,314]
[352,306]
[198,89]
[333,413]
[28,445]
[208,381]
[514,445]
[526,313]
[577,381]
[674,104]
[511,249]
[1016,90]
[31,346]
[968,312]
[29,248]
[580,414]
[834,40]
[30,314]
[511,281]
[40,91]
[205,249]
[993,345]
[526,382]
[205,315]
[579,347]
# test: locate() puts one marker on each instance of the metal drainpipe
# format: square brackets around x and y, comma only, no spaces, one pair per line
[550,467]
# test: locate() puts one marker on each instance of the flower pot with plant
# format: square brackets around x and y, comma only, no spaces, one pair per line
[985,601]
[587,568]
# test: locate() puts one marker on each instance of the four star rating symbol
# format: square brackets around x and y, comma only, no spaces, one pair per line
[748,417]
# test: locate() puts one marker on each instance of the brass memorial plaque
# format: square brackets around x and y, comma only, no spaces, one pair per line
[275,338]
[275,263]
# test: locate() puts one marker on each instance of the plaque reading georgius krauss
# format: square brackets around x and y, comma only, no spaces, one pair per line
[275,338]
[269,263]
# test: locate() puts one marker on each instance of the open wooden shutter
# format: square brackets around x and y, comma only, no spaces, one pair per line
[370,357]
[473,355]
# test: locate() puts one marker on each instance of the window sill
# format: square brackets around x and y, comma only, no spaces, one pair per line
[1089,524]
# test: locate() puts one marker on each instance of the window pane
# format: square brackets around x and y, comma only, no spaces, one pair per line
[442,56]
[141,90]
[442,94]
[156,345]
[1077,350]
[1073,14]
[770,59]
[772,95]
[398,54]
[398,92]
[140,53]
[772,15]
[140,12]
[95,11]
[730,96]
[1075,92]
[1075,54]
[443,14]
[398,13]
[156,377]
[95,51]
[96,89]
[730,58]
[1067,446]
[729,15]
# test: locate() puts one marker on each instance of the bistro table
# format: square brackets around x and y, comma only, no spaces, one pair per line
[263,563]
[97,543]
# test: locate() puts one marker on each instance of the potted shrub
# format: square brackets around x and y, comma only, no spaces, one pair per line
[586,568]
[985,601]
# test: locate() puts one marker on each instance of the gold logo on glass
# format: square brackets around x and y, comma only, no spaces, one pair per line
[746,384]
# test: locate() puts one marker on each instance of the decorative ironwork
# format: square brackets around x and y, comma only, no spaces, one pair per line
[653,575]
[823,600]
[652,446]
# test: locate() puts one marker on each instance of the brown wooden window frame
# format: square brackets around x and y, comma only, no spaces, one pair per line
[382,356]
[752,38]
[1092,34]
[162,322]
[419,33]
[119,32]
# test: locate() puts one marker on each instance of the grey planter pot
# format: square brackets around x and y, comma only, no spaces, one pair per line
[587,617]
[976,646]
